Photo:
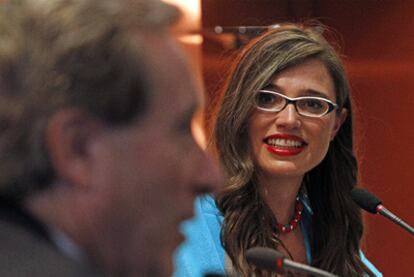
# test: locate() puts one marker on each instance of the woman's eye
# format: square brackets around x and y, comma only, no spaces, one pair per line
[266,98]
[313,104]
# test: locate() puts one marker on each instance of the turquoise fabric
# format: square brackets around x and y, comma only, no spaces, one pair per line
[202,252]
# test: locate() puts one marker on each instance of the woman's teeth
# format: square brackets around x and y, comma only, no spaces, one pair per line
[279,142]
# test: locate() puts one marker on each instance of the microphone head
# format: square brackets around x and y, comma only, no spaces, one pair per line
[365,200]
[264,258]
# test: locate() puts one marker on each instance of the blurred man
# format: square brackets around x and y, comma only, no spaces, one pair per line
[98,166]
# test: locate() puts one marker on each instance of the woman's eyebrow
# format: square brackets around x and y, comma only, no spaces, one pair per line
[271,86]
[312,92]
[307,92]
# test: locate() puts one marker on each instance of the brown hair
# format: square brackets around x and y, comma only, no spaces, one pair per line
[336,223]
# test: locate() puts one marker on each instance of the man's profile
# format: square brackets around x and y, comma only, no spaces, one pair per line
[98,165]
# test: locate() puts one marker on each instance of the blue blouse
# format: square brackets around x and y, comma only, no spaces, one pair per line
[202,251]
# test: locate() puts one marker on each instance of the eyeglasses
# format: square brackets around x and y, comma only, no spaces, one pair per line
[310,106]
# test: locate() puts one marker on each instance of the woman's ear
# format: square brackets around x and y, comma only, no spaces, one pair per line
[68,136]
[339,120]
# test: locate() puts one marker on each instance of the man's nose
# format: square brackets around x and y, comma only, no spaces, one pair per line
[210,178]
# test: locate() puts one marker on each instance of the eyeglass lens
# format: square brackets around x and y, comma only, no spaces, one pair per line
[306,106]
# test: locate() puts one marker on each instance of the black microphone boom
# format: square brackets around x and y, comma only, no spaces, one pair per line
[274,261]
[372,204]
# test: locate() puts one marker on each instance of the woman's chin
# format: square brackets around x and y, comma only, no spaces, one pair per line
[283,168]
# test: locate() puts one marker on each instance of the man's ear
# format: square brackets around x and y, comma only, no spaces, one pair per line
[68,136]
[339,120]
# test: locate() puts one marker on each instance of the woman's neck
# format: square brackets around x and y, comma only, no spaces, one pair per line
[279,193]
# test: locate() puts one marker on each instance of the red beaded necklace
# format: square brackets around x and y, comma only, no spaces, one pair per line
[293,223]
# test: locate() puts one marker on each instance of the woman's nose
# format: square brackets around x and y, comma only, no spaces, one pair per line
[288,118]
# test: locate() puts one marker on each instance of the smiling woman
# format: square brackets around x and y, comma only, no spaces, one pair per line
[283,135]
[293,139]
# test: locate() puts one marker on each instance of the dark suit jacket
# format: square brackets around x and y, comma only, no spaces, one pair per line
[26,249]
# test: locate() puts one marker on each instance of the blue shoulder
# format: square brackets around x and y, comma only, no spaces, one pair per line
[202,252]
[369,265]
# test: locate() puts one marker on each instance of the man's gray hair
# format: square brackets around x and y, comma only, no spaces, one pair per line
[56,54]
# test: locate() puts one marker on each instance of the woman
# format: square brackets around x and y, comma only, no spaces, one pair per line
[283,134]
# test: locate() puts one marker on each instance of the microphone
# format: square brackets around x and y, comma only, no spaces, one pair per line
[274,261]
[372,204]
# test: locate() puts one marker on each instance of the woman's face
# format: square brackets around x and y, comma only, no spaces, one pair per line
[286,143]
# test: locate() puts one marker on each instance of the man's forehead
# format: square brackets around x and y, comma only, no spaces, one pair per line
[161,46]
[172,81]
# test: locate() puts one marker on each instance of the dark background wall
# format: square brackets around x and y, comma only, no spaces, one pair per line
[377,40]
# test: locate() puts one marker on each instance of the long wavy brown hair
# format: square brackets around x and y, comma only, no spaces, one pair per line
[336,223]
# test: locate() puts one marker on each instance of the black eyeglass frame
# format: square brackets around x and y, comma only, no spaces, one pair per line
[289,100]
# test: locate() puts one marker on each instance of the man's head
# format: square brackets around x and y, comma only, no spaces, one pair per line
[95,111]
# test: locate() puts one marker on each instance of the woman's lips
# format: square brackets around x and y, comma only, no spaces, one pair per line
[284,144]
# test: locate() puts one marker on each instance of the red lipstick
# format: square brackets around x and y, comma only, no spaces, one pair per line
[284,144]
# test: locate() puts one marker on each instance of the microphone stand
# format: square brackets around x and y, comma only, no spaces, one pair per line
[385,212]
